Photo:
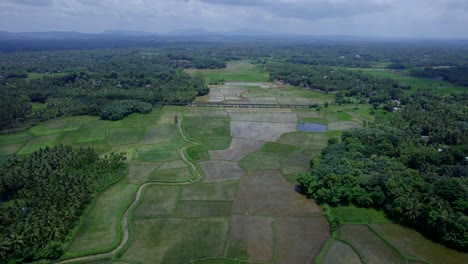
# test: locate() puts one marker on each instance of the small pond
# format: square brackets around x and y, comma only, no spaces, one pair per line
[312,127]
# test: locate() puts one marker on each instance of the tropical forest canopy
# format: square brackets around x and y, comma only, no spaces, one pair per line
[43,195]
[413,166]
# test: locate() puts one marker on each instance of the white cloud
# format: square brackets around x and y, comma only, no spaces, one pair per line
[418,18]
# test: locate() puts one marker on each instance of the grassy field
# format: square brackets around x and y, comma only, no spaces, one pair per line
[353,214]
[177,240]
[101,230]
[35,75]
[403,77]
[235,71]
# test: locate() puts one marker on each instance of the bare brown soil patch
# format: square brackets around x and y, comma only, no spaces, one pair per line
[221,170]
[260,131]
[272,117]
[239,148]
[268,193]
[217,191]
[203,208]
[340,253]
[254,235]
[300,239]
[374,249]
[414,245]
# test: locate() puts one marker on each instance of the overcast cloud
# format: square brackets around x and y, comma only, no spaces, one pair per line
[401,18]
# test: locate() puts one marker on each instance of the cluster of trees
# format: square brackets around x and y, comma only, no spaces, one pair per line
[456,75]
[117,110]
[349,83]
[12,109]
[413,166]
[103,77]
[42,196]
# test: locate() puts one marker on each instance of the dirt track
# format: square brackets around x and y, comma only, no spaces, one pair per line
[125,233]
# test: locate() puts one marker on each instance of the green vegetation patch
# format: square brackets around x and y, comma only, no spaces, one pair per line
[39,142]
[89,135]
[235,71]
[402,76]
[343,116]
[225,190]
[50,127]
[128,151]
[353,214]
[176,240]
[161,152]
[101,229]
[294,138]
[139,172]
[124,136]
[69,137]
[216,261]
[157,201]
[37,106]
[300,158]
[132,120]
[204,208]
[316,140]
[183,174]
[214,133]
[198,153]
[267,157]
[160,133]
[98,146]
[6,139]
[7,151]
[37,75]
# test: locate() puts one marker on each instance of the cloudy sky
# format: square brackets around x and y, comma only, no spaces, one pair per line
[401,18]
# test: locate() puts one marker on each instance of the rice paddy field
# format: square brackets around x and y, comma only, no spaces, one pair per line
[218,185]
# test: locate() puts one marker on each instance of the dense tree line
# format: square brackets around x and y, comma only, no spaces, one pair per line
[98,79]
[42,196]
[349,83]
[413,166]
[456,75]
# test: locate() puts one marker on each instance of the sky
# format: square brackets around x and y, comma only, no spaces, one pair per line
[389,18]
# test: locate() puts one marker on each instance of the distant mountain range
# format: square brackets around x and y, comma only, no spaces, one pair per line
[190,34]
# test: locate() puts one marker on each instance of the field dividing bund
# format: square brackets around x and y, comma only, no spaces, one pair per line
[80,249]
